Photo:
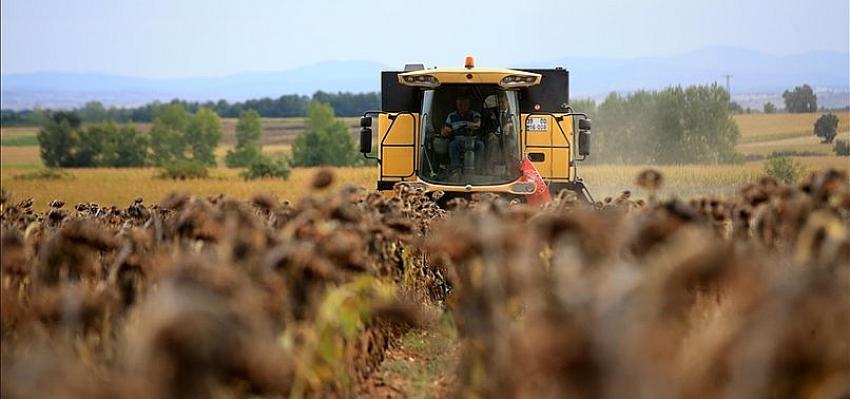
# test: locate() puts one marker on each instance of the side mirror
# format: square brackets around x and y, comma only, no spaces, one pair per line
[584,142]
[583,124]
[366,121]
[365,137]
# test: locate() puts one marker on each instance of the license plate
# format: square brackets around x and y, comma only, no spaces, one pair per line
[537,124]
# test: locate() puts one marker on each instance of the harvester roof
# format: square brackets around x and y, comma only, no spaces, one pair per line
[470,74]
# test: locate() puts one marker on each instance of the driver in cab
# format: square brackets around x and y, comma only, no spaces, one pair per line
[462,125]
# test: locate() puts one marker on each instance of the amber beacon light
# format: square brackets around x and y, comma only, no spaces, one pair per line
[470,62]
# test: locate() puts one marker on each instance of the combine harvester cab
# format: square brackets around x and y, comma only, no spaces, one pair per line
[467,130]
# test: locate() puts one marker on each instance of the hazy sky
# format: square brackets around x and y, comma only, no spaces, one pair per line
[171,38]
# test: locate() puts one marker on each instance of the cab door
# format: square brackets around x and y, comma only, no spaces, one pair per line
[547,144]
[398,137]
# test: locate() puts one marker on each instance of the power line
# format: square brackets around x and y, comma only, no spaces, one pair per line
[728,86]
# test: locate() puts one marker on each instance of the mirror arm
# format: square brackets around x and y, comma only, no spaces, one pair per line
[375,157]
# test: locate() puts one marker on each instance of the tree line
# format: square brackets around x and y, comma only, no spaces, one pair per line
[183,142]
[800,99]
[674,125]
[176,135]
[63,142]
[670,126]
[293,105]
[684,125]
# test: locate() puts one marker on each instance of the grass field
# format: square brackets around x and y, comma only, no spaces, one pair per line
[120,186]
[762,128]
[764,134]
[688,180]
[760,134]
[18,136]
[17,157]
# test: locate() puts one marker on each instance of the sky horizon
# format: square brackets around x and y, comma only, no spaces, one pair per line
[331,60]
[160,40]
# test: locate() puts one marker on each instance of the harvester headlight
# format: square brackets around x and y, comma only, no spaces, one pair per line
[524,187]
[517,81]
[421,80]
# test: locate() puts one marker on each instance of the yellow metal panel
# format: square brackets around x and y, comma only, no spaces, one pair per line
[398,145]
[553,143]
[403,129]
[545,166]
[398,161]
[538,138]
[560,163]
[562,137]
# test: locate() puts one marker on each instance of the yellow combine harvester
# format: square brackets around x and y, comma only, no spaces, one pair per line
[466,130]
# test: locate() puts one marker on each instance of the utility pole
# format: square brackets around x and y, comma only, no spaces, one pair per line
[728,86]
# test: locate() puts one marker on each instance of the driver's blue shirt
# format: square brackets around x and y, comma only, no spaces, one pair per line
[458,121]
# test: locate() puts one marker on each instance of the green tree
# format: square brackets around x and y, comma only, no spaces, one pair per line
[93,147]
[123,146]
[131,148]
[349,104]
[674,125]
[178,136]
[666,128]
[802,99]
[203,135]
[626,129]
[842,147]
[326,140]
[709,132]
[587,106]
[65,143]
[769,108]
[826,127]
[248,147]
[183,169]
[784,168]
[264,167]
[58,138]
[93,111]
[167,140]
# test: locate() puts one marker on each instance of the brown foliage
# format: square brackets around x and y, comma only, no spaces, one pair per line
[195,297]
[200,297]
[743,297]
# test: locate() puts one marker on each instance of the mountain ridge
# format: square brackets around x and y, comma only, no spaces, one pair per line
[753,72]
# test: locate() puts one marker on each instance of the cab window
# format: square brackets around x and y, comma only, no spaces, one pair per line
[470,135]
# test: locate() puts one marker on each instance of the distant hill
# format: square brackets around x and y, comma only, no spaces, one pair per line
[755,75]
[67,90]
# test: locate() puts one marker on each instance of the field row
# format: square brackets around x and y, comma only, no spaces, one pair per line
[770,127]
[801,145]
[121,186]
[27,157]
